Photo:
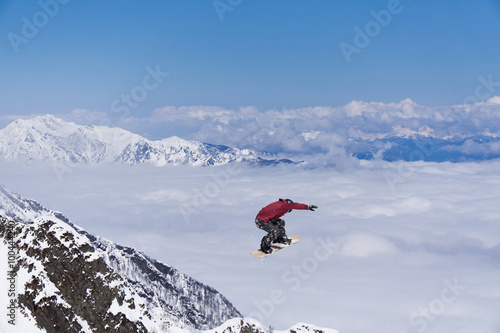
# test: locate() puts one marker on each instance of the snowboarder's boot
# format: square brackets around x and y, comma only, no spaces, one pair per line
[284,240]
[266,249]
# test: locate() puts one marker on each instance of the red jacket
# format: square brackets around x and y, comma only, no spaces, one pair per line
[277,209]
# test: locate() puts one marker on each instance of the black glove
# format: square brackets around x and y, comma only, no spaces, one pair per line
[312,207]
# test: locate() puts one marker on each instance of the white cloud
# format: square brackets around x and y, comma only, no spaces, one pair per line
[189,113]
[310,135]
[494,100]
[87,116]
[363,244]
[288,130]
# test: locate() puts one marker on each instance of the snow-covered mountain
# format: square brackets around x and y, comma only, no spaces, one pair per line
[67,280]
[49,138]
[70,278]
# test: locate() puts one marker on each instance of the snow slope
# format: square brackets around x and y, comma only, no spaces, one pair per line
[94,282]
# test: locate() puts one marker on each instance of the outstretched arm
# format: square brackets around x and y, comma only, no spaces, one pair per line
[296,205]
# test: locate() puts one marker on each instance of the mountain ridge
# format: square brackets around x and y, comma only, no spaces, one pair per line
[52,139]
[121,285]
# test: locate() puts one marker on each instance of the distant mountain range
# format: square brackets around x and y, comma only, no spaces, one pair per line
[426,148]
[68,280]
[48,138]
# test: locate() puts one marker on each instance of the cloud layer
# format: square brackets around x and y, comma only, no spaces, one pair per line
[358,127]
[387,242]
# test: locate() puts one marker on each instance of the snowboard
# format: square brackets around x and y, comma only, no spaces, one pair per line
[276,247]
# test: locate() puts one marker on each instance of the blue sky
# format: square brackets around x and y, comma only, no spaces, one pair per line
[271,55]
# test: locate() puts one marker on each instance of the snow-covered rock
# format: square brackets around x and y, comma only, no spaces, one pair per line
[73,281]
[243,325]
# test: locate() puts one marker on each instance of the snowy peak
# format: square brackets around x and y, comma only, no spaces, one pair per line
[18,208]
[51,139]
[46,123]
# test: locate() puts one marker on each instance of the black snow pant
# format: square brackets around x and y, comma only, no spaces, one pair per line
[275,231]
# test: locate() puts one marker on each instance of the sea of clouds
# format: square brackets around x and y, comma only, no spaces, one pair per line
[393,247]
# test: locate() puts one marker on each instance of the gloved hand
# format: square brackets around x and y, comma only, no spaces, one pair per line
[312,207]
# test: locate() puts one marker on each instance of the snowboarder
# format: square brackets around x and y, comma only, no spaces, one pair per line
[268,219]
